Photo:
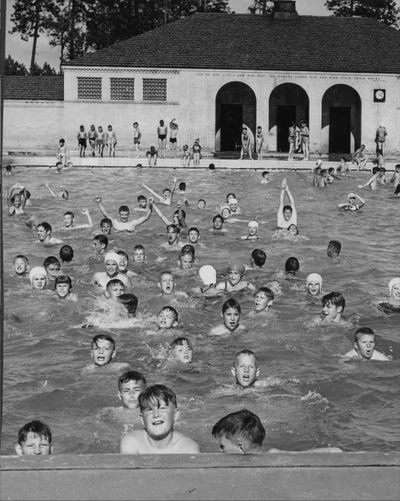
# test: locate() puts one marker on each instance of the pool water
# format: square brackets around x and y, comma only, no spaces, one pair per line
[312,400]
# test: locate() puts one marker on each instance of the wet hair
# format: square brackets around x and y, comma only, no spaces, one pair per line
[141,197]
[230,195]
[47,226]
[62,140]
[174,227]
[51,260]
[287,207]
[180,212]
[130,301]
[334,248]
[21,256]
[243,423]
[182,186]
[259,257]
[362,330]
[102,239]
[123,208]
[293,226]
[66,253]
[36,427]
[187,249]
[231,303]
[131,376]
[123,253]
[193,228]
[156,394]
[172,310]
[267,291]
[265,172]
[201,200]
[63,279]
[115,281]
[106,220]
[211,166]
[103,337]
[292,265]
[249,353]
[180,341]
[138,247]
[69,213]
[217,216]
[335,298]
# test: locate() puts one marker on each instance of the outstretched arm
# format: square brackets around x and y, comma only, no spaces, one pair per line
[173,187]
[50,190]
[89,224]
[368,183]
[160,198]
[101,206]
[146,216]
[161,215]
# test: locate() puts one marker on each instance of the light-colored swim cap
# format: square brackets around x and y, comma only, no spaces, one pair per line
[37,271]
[252,224]
[318,162]
[208,274]
[112,256]
[314,277]
[239,267]
[233,201]
[392,283]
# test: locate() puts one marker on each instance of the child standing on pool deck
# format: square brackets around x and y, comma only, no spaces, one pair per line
[159,411]
[111,141]
[196,153]
[34,439]
[137,135]
[82,140]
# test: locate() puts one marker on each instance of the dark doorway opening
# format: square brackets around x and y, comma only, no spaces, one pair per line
[286,115]
[231,126]
[339,129]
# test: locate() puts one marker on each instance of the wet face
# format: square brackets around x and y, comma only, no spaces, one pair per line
[97,246]
[233,206]
[41,233]
[395,292]
[287,214]
[111,267]
[105,228]
[261,301]
[193,236]
[158,419]
[234,276]
[138,255]
[20,266]
[129,393]
[39,282]
[166,194]
[123,262]
[252,231]
[34,445]
[293,230]
[142,203]
[167,283]
[172,235]
[225,213]
[218,222]
[62,290]
[231,318]
[201,204]
[183,352]
[124,216]
[17,201]
[365,345]
[331,312]
[53,270]
[186,261]
[102,352]
[166,319]
[115,290]
[245,370]
[313,287]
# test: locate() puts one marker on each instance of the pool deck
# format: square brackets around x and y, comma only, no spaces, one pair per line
[272,163]
[280,476]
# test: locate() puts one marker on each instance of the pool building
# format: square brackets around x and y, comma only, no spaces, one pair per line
[215,73]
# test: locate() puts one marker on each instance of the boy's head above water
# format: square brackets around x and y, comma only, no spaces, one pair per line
[181,350]
[167,318]
[102,349]
[332,306]
[240,432]
[34,438]
[130,386]
[158,408]
[245,368]
[364,342]
[231,311]
[21,264]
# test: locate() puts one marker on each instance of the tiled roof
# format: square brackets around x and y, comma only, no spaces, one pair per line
[36,88]
[255,42]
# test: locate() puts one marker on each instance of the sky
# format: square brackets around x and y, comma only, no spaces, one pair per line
[21,51]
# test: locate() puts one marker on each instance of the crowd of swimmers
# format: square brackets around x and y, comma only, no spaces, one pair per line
[156,405]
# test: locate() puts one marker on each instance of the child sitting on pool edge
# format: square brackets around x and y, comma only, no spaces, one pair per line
[159,411]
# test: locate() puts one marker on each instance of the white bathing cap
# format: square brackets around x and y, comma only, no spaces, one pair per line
[112,256]
[314,277]
[253,224]
[37,271]
[208,274]
[392,283]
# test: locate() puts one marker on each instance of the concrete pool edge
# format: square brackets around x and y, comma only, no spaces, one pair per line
[308,476]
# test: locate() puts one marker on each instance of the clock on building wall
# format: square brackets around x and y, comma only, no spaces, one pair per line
[379,95]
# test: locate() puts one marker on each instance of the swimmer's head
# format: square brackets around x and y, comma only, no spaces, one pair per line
[168,318]
[130,386]
[102,349]
[38,277]
[115,288]
[258,257]
[201,203]
[236,272]
[252,228]
[334,248]
[63,286]
[225,213]
[394,287]
[245,368]
[314,284]
[130,301]
[364,342]
[21,264]
[292,265]
[182,350]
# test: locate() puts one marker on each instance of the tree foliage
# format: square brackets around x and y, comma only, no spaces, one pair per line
[12,67]
[264,7]
[382,10]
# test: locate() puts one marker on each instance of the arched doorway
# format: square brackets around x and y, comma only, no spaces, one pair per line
[235,106]
[341,112]
[287,103]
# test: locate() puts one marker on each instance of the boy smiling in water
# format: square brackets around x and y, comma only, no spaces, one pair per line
[159,412]
[235,282]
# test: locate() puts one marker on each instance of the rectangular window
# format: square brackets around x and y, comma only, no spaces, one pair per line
[122,89]
[89,88]
[154,89]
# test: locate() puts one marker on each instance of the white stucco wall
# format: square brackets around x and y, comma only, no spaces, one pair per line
[191,96]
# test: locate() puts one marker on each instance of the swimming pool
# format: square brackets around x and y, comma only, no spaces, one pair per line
[317,400]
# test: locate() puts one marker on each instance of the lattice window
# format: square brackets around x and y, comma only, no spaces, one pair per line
[154,89]
[122,89]
[89,88]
